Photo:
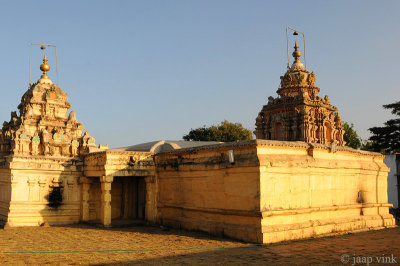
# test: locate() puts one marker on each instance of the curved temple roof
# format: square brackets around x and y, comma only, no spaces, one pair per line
[166,145]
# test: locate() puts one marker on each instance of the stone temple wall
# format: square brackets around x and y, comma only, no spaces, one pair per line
[274,190]
[310,190]
[27,185]
[201,190]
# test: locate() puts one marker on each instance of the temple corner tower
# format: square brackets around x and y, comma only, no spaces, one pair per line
[298,113]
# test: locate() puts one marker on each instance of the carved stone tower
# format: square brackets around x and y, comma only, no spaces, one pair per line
[44,126]
[41,158]
[298,114]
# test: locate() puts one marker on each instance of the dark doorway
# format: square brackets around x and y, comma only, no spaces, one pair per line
[128,198]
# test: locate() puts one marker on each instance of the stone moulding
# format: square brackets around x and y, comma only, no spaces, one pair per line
[118,163]
[272,143]
[118,153]
[321,209]
[212,210]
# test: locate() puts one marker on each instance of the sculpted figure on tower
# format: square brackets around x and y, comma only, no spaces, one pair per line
[298,113]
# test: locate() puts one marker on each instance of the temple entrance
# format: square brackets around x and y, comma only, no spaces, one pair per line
[128,201]
[128,198]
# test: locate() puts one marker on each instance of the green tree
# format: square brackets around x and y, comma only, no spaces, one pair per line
[386,139]
[366,146]
[224,132]
[350,136]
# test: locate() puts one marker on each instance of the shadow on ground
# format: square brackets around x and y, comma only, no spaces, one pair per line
[250,255]
[316,251]
[153,230]
[150,245]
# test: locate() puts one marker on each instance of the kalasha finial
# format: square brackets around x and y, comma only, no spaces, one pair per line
[296,54]
[45,68]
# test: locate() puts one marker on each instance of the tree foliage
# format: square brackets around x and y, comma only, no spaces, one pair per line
[386,139]
[350,136]
[224,132]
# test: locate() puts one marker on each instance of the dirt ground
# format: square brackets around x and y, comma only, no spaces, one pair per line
[83,244]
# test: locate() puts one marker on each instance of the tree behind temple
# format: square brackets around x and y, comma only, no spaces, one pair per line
[350,136]
[386,139]
[225,132]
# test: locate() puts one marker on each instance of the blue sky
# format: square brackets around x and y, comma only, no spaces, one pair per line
[138,71]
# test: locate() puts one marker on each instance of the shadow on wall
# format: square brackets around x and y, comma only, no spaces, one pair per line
[60,194]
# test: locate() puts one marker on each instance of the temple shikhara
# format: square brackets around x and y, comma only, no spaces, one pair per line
[296,180]
[299,113]
[43,126]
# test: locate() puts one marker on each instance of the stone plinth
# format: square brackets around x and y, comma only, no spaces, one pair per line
[27,185]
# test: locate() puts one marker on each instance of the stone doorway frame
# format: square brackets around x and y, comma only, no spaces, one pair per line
[105,209]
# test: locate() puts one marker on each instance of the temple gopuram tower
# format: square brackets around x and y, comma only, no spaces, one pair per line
[298,113]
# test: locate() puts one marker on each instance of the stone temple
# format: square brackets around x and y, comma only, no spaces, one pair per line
[296,180]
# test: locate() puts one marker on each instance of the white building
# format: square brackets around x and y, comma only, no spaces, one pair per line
[393,162]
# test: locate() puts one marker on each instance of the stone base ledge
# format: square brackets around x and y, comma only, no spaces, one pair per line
[322,209]
[251,213]
[323,222]
[312,229]
[38,221]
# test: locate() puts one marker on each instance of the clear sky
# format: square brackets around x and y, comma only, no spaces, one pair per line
[138,71]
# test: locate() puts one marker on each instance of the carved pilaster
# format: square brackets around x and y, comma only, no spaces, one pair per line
[106,199]
[42,188]
[312,134]
[71,183]
[32,181]
[14,183]
[85,188]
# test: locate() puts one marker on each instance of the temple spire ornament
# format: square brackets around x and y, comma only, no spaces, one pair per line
[295,33]
[296,54]
[45,68]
